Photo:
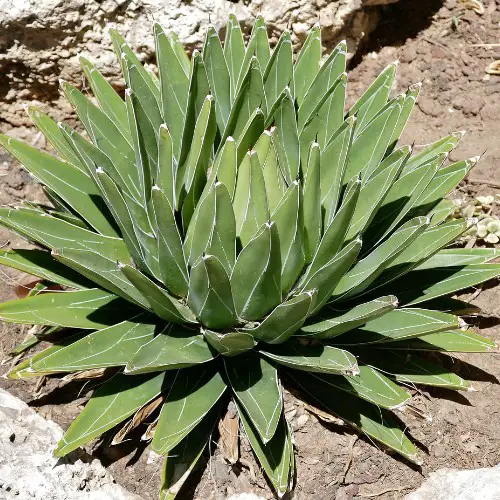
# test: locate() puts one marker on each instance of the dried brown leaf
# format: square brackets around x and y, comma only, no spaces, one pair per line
[229,434]
[85,375]
[323,415]
[139,417]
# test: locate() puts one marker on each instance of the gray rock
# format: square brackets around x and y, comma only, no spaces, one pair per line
[41,40]
[28,469]
[452,484]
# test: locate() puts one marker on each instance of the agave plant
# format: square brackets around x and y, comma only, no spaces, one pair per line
[228,227]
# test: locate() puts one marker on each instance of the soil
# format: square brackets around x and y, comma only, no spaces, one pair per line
[445,46]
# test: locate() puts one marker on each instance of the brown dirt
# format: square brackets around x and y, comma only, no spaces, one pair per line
[333,462]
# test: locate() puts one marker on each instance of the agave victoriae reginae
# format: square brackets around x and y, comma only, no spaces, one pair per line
[227,225]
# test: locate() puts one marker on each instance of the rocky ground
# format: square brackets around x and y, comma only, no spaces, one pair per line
[444,44]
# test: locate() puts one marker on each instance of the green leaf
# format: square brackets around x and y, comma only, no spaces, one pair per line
[308,63]
[332,169]
[250,201]
[172,262]
[328,276]
[210,296]
[193,394]
[213,231]
[275,457]
[312,358]
[336,230]
[375,97]
[41,264]
[117,399]
[312,203]
[376,423]
[92,157]
[428,243]
[218,76]
[179,50]
[121,213]
[445,180]
[324,80]
[286,138]
[454,341]
[174,85]
[227,166]
[102,270]
[50,129]
[335,322]
[250,97]
[142,134]
[422,285]
[234,51]
[162,304]
[327,117]
[174,347]
[441,211]
[279,70]
[27,344]
[285,319]
[273,177]
[23,370]
[368,269]
[371,385]
[67,181]
[105,135]
[181,460]
[109,100]
[456,257]
[123,51]
[199,89]
[91,308]
[375,189]
[256,386]
[438,148]
[111,346]
[191,175]
[409,102]
[288,217]
[248,137]
[54,233]
[371,143]
[224,168]
[400,198]
[258,45]
[144,121]
[398,325]
[412,369]
[256,277]
[231,343]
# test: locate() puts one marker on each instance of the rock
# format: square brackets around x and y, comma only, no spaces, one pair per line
[41,41]
[428,106]
[409,53]
[470,105]
[452,484]
[29,470]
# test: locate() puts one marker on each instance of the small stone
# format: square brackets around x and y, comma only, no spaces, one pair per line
[469,105]
[301,421]
[428,106]
[409,54]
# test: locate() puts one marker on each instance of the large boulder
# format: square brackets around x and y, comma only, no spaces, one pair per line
[453,484]
[29,470]
[40,40]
